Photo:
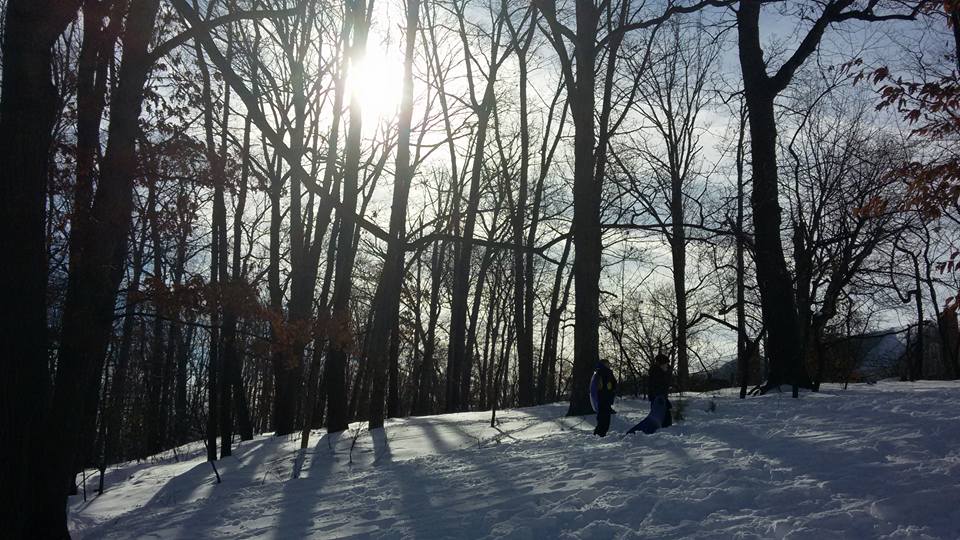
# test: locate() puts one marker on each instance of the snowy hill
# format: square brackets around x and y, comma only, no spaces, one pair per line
[879,461]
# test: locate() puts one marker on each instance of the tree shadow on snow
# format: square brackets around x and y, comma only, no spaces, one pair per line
[237,472]
[908,488]
[299,496]
[439,499]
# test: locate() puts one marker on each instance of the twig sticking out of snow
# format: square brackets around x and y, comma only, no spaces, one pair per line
[353,443]
[215,471]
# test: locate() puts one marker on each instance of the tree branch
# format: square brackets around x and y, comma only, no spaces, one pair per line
[182,38]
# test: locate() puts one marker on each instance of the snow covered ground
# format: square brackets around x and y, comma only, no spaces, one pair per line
[878,461]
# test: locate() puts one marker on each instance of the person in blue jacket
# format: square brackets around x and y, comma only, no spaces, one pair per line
[658,384]
[606,393]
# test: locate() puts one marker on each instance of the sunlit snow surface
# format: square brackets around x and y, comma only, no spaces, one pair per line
[878,461]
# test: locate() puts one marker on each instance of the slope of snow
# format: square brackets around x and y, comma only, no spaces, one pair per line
[878,461]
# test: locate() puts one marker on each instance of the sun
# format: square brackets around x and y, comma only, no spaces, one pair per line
[376,81]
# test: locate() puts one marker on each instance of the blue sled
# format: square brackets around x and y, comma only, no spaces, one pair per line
[653,421]
[595,392]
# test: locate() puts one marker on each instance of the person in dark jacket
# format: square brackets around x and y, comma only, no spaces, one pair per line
[606,393]
[658,384]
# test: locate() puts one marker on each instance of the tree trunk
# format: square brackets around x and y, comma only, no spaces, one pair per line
[587,237]
[228,300]
[387,302]
[916,366]
[304,255]
[423,404]
[678,248]
[341,337]
[485,262]
[179,342]
[97,264]
[114,413]
[393,383]
[776,285]
[316,389]
[465,382]
[95,56]
[743,361]
[522,262]
[955,26]
[216,161]
[28,105]
[154,387]
[235,372]
[546,389]
[464,249]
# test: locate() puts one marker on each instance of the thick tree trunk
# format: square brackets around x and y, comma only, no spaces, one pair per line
[776,285]
[28,104]
[587,237]
[776,290]
[95,56]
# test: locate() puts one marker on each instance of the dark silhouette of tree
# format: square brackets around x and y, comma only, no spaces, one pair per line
[760,90]
[28,106]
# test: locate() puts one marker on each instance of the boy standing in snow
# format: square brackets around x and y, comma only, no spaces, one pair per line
[659,385]
[606,393]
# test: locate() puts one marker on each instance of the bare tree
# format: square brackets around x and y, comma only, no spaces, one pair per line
[482,103]
[599,34]
[760,91]
[387,301]
[673,97]
[843,203]
[28,106]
